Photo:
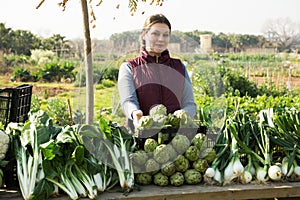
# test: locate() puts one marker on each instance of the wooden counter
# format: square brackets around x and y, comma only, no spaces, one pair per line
[287,190]
[196,192]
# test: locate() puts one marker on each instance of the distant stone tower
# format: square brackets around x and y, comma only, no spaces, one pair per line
[205,43]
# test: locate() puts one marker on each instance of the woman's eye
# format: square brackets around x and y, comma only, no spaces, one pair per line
[158,34]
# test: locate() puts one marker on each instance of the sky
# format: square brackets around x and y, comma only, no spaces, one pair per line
[226,16]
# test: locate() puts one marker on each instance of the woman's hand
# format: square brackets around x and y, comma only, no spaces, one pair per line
[177,112]
[136,115]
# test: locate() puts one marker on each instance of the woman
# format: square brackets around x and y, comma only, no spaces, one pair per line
[154,77]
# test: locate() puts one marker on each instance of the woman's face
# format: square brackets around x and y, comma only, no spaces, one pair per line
[157,38]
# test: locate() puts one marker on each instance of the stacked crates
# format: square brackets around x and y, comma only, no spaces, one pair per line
[15,104]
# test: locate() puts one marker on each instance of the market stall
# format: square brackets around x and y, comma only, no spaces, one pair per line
[249,158]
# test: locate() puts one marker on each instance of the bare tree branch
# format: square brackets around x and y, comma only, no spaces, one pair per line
[282,31]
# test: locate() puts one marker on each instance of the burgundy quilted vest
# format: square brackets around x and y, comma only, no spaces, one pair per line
[158,80]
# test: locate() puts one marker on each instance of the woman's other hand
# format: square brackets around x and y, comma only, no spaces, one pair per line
[136,115]
[177,112]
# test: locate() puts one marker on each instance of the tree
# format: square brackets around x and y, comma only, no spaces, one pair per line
[236,41]
[283,32]
[23,41]
[5,37]
[18,42]
[123,40]
[57,43]
[221,42]
[88,47]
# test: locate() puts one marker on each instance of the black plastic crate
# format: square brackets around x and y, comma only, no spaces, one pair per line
[15,103]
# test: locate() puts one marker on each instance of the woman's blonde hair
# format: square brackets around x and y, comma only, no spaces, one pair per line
[153,19]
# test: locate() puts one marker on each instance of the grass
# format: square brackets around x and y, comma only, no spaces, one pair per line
[105,96]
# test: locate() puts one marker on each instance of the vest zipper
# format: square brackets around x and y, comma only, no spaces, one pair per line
[161,88]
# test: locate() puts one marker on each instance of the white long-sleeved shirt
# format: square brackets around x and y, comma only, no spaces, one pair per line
[129,100]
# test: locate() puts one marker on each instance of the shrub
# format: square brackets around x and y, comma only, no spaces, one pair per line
[35,103]
[110,73]
[58,110]
[21,74]
[236,83]
[57,71]
[40,57]
[108,83]
[99,74]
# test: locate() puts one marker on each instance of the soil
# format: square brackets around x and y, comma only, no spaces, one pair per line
[279,81]
[51,92]
[37,87]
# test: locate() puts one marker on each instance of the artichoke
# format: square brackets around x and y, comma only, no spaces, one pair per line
[139,157]
[159,120]
[143,178]
[181,163]
[161,154]
[199,140]
[180,143]
[185,119]
[168,169]
[200,165]
[172,153]
[177,179]
[173,121]
[150,144]
[152,166]
[192,176]
[161,179]
[192,153]
[145,123]
[208,154]
[158,109]
[183,116]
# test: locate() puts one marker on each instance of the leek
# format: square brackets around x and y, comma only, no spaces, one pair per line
[115,144]
[286,171]
[249,171]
